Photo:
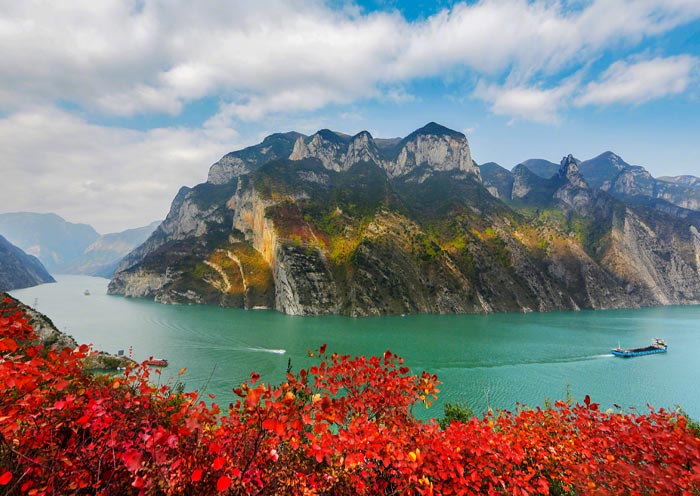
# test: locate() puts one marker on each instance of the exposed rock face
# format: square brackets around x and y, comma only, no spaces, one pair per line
[361,226]
[433,147]
[497,180]
[649,255]
[695,236]
[437,150]
[683,191]
[303,282]
[44,328]
[632,181]
[19,270]
[140,284]
[336,151]
[691,181]
[574,191]
[235,164]
[249,218]
[526,182]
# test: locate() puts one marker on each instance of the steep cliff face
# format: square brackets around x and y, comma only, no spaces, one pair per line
[234,164]
[691,181]
[497,180]
[683,191]
[19,270]
[657,257]
[573,192]
[362,226]
[433,147]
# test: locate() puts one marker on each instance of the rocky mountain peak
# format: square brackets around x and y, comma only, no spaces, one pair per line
[434,147]
[612,159]
[569,169]
[435,129]
[336,151]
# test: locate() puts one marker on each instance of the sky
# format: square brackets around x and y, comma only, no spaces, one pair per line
[107,108]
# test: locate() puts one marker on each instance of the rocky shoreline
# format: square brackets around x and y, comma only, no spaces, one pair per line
[51,337]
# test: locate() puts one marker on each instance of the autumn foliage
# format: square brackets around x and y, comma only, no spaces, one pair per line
[343,426]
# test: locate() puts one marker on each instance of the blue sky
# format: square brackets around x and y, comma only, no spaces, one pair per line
[106,108]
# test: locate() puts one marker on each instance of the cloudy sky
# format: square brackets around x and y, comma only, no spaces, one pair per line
[108,107]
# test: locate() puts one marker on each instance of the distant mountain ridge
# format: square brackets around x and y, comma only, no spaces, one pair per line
[19,270]
[354,225]
[68,248]
[48,237]
[102,257]
[609,172]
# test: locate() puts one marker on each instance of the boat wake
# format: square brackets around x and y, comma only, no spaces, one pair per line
[266,350]
[574,359]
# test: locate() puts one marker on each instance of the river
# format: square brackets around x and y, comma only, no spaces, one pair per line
[483,360]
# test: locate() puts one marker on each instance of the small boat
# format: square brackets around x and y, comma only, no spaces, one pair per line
[157,362]
[87,292]
[658,346]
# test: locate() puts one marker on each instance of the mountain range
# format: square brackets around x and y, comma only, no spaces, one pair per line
[67,248]
[610,173]
[356,225]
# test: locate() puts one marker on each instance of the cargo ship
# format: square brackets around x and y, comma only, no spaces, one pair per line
[658,346]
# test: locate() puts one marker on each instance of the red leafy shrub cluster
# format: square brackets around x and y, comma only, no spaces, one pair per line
[344,426]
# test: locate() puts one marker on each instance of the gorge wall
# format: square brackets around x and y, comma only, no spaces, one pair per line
[354,225]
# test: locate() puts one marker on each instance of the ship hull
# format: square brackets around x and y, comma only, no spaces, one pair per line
[638,352]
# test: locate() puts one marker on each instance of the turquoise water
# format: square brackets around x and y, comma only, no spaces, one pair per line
[484,360]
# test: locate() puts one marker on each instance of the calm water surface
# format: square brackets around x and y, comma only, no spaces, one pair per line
[483,360]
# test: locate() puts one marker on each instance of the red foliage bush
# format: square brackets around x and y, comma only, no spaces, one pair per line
[344,426]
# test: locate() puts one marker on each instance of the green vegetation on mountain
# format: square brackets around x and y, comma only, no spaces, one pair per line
[352,225]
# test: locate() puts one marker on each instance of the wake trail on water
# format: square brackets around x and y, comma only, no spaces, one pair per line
[265,350]
[527,362]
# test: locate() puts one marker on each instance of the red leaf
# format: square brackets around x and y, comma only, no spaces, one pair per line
[139,482]
[219,462]
[132,460]
[253,397]
[197,475]
[223,483]
[5,478]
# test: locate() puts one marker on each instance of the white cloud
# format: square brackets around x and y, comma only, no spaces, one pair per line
[112,178]
[398,94]
[526,102]
[142,56]
[639,82]
[272,60]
